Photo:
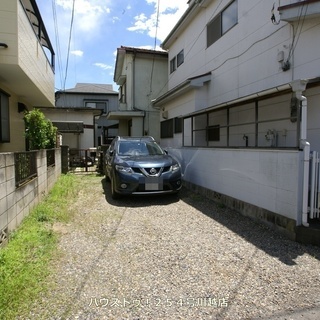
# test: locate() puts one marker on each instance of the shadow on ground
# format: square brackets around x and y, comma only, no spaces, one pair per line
[137,201]
[261,236]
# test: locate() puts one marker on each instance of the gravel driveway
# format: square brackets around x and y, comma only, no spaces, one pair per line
[175,258]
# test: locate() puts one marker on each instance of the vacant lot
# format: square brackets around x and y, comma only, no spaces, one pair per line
[173,258]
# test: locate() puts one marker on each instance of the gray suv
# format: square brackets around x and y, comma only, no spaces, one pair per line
[138,165]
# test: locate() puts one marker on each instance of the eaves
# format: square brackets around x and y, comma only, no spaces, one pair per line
[182,88]
[195,6]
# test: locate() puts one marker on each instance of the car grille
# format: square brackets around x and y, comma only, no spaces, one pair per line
[151,171]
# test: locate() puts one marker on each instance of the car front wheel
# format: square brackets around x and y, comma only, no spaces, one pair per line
[114,194]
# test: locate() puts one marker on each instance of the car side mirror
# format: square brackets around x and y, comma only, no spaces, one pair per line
[165,151]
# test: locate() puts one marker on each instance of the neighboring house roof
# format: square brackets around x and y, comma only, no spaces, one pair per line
[69,126]
[94,88]
[121,53]
[75,109]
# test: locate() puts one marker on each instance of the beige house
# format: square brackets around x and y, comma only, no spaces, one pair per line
[142,76]
[26,69]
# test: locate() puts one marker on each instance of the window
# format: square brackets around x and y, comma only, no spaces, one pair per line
[259,123]
[177,125]
[167,129]
[177,61]
[213,133]
[180,58]
[222,23]
[98,104]
[173,65]
[4,117]
[229,17]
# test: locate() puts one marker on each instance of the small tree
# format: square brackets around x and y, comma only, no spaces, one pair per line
[40,131]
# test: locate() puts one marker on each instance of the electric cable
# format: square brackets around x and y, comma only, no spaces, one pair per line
[69,44]
[154,47]
[57,39]
[297,33]
[195,41]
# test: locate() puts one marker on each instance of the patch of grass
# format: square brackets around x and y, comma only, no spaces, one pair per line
[24,262]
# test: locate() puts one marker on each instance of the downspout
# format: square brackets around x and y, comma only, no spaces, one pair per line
[94,127]
[134,90]
[133,81]
[298,86]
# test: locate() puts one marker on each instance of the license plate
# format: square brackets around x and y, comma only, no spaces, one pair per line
[153,184]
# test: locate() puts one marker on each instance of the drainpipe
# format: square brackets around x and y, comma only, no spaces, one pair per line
[298,86]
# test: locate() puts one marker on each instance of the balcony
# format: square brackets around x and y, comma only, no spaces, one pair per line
[308,9]
[26,54]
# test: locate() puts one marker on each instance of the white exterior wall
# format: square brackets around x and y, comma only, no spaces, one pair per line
[128,72]
[244,62]
[150,77]
[83,140]
[313,118]
[267,179]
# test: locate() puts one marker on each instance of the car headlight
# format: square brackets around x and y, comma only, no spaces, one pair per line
[175,167]
[124,169]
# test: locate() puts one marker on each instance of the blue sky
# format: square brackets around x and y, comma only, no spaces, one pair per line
[99,28]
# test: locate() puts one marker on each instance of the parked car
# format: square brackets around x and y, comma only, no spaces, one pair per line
[138,165]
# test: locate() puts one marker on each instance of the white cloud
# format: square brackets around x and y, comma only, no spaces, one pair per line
[88,14]
[103,66]
[169,14]
[115,19]
[77,53]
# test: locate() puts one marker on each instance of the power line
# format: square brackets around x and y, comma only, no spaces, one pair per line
[56,32]
[69,44]
[155,45]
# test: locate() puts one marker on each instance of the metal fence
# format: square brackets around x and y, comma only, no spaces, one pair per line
[83,160]
[51,157]
[25,166]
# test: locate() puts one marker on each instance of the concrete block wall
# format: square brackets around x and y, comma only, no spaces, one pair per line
[16,203]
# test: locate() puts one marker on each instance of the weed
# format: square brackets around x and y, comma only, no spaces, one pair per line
[25,261]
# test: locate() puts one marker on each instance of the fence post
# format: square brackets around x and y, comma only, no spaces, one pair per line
[64,159]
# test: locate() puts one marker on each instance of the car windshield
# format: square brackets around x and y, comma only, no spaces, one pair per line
[139,148]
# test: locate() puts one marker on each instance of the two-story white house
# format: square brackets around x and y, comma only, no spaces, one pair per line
[26,69]
[141,75]
[242,107]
